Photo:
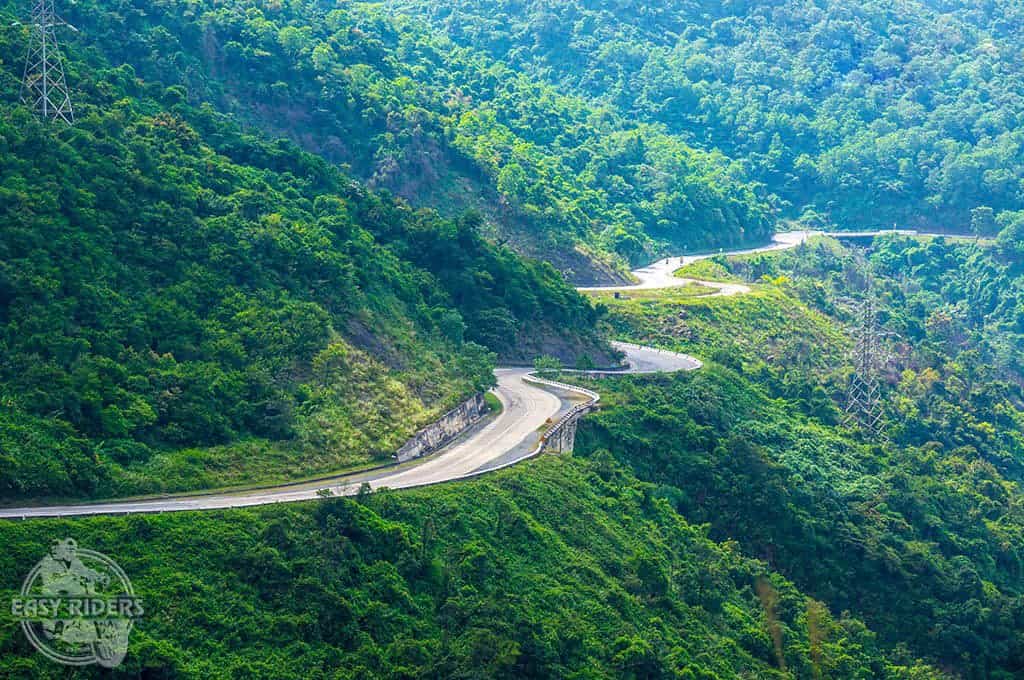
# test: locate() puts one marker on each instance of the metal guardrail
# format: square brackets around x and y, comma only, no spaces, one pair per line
[645,348]
[592,397]
[575,412]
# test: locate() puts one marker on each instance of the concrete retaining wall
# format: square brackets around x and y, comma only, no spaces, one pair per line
[450,426]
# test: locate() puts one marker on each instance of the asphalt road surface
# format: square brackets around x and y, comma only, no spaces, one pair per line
[661,274]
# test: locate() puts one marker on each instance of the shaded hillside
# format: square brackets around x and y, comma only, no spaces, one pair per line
[184,305]
[557,569]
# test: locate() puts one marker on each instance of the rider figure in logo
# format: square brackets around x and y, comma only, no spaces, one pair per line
[64,575]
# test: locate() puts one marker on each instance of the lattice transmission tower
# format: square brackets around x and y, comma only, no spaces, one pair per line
[44,88]
[864,395]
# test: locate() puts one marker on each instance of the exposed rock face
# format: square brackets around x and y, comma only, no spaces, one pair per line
[447,428]
[545,340]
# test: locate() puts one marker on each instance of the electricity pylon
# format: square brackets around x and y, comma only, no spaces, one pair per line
[869,357]
[863,398]
[43,88]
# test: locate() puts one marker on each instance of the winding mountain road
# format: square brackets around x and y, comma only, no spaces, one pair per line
[506,439]
[661,274]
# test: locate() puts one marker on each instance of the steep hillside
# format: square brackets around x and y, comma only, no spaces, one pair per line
[281,237]
[184,305]
[858,114]
[405,110]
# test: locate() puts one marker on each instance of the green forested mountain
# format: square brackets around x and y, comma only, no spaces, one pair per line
[283,236]
[409,111]
[184,305]
[857,114]
[919,531]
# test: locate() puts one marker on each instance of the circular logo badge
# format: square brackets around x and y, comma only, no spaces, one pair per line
[77,607]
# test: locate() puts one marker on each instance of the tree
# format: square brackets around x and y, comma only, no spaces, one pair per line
[547,366]
[452,326]
[983,221]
